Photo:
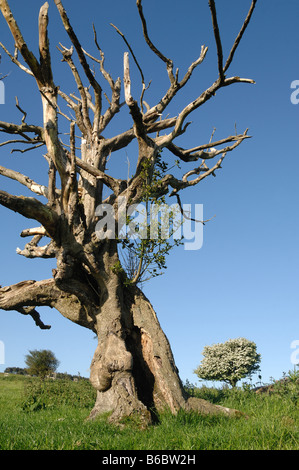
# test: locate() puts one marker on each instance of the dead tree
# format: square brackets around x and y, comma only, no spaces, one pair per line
[133,369]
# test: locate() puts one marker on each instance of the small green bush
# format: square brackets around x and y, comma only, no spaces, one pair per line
[41,394]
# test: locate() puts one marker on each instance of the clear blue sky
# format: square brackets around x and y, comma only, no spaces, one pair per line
[244,279]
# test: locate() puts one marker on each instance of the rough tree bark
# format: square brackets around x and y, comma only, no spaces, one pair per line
[133,369]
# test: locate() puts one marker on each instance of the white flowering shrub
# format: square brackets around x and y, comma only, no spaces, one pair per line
[229,362]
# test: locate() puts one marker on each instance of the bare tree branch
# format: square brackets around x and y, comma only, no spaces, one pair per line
[67,57]
[31,250]
[135,112]
[207,151]
[95,85]
[70,196]
[41,231]
[25,294]
[19,141]
[109,181]
[186,216]
[217,39]
[45,58]
[35,316]
[132,52]
[137,64]
[16,61]
[14,298]
[27,150]
[31,209]
[22,129]
[25,180]
[156,111]
[29,57]
[168,62]
[52,191]
[240,35]
[114,105]
[202,99]
[179,184]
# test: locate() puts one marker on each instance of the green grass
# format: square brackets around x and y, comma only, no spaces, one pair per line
[52,416]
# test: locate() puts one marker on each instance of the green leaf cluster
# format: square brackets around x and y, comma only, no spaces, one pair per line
[146,257]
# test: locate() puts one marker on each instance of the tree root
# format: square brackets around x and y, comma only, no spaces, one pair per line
[134,411]
[206,408]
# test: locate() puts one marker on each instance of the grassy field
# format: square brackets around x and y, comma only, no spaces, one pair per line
[52,416]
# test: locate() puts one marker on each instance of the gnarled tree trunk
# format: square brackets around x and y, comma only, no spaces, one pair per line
[133,368]
[135,372]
